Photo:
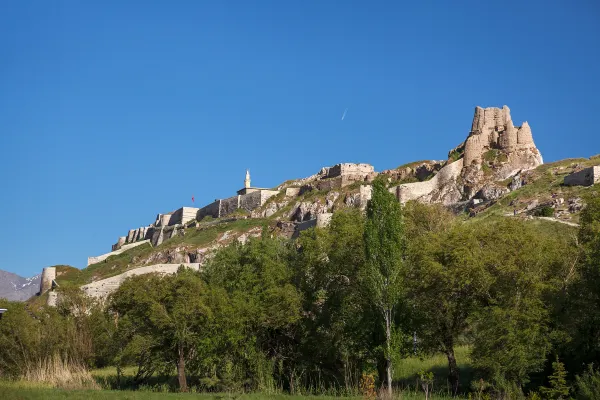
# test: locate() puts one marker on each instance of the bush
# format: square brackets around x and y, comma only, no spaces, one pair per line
[588,384]
[545,211]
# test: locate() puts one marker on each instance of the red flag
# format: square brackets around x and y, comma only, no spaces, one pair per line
[192,199]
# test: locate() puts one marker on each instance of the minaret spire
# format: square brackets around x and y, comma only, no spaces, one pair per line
[247,180]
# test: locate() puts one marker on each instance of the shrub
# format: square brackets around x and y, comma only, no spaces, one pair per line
[545,211]
[588,384]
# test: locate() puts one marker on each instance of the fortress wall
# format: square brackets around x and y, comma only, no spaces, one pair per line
[266,195]
[102,288]
[414,191]
[48,275]
[94,260]
[213,210]
[183,215]
[292,192]
[349,169]
[250,201]
[120,242]
[229,206]
[586,177]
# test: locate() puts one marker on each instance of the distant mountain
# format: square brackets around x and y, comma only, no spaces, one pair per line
[16,288]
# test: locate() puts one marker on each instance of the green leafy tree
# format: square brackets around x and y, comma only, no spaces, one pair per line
[446,281]
[512,330]
[583,307]
[257,277]
[385,253]
[161,320]
[335,340]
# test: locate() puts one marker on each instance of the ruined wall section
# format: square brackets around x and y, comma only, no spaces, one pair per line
[183,215]
[102,288]
[586,177]
[229,206]
[97,259]
[213,210]
[442,188]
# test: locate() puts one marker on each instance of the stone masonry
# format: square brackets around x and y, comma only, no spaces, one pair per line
[493,128]
[97,259]
[586,177]
[102,288]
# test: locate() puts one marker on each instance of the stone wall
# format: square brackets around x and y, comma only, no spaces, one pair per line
[159,234]
[229,206]
[427,190]
[250,201]
[48,275]
[183,215]
[586,177]
[349,169]
[94,260]
[225,207]
[102,288]
[492,128]
[212,210]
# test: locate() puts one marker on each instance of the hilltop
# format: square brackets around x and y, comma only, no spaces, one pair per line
[496,172]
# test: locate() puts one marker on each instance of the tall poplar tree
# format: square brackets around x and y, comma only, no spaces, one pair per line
[385,248]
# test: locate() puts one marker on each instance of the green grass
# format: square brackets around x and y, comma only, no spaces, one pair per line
[406,370]
[28,391]
[206,233]
[545,180]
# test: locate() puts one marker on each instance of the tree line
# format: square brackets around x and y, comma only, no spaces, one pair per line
[336,303]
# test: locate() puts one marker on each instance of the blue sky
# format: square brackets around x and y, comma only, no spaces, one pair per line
[114,111]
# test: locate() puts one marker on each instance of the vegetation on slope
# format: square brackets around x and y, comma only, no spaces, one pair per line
[544,184]
[297,316]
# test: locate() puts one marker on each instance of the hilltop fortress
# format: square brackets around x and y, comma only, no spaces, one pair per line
[494,150]
[475,173]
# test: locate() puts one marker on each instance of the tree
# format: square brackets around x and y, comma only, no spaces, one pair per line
[385,254]
[258,280]
[335,339]
[161,320]
[446,279]
[558,388]
[583,300]
[512,329]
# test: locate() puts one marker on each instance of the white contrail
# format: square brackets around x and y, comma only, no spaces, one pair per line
[344,115]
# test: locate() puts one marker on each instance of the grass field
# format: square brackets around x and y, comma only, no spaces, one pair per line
[17,391]
[405,375]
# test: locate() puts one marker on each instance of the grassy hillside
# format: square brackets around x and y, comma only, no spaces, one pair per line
[203,235]
[544,184]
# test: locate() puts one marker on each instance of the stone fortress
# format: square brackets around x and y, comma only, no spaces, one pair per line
[495,151]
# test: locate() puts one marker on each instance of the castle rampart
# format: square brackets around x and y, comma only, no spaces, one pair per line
[97,259]
[586,177]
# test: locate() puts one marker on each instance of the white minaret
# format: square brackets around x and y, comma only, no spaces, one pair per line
[247,180]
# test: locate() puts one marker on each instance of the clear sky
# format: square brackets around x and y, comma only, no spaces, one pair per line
[114,111]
